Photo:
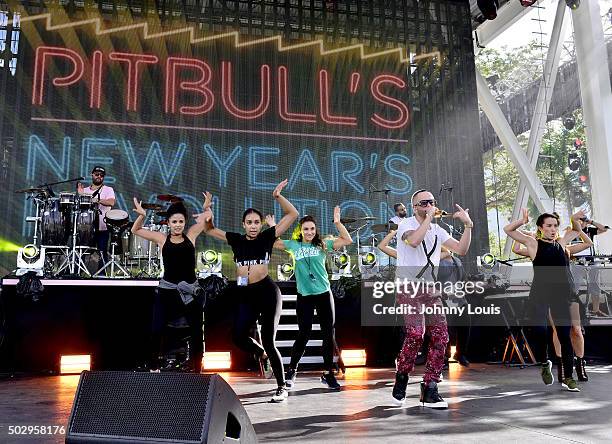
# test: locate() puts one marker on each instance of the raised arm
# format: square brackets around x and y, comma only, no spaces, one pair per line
[462,245]
[345,237]
[512,230]
[581,246]
[383,245]
[572,234]
[154,236]
[290,211]
[415,237]
[210,229]
[201,223]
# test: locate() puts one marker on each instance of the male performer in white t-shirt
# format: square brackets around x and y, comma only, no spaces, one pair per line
[400,213]
[419,242]
[105,197]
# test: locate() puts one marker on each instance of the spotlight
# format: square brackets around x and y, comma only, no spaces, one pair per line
[569,123]
[211,263]
[30,258]
[572,4]
[340,265]
[489,8]
[353,358]
[74,364]
[527,3]
[368,262]
[573,161]
[217,360]
[486,261]
[284,272]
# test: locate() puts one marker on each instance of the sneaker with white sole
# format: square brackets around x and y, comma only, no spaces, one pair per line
[570,385]
[280,395]
[399,388]
[547,375]
[430,396]
[290,378]
[328,379]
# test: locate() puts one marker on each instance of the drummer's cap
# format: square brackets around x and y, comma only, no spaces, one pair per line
[99,169]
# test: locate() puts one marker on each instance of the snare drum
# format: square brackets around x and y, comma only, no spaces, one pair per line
[67,199]
[116,218]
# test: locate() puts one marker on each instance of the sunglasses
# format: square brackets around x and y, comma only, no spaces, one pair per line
[98,174]
[425,202]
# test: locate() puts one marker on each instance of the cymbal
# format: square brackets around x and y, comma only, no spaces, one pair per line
[350,220]
[152,206]
[169,198]
[30,190]
[383,228]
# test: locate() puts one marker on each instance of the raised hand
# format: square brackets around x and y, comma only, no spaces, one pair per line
[207,200]
[277,191]
[80,188]
[336,214]
[462,215]
[138,208]
[270,220]
[525,218]
[578,215]
[207,215]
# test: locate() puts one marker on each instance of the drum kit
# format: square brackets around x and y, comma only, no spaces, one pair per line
[65,227]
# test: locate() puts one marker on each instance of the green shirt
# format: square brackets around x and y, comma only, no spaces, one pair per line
[309,260]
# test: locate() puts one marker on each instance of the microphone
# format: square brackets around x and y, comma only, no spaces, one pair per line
[441,213]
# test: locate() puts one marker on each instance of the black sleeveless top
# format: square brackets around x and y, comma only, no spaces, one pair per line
[552,277]
[179,261]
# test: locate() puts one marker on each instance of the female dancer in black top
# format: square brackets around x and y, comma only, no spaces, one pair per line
[552,288]
[176,295]
[258,295]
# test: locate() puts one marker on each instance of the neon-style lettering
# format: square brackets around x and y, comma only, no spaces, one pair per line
[283,101]
[42,54]
[173,66]
[228,101]
[133,62]
[403,113]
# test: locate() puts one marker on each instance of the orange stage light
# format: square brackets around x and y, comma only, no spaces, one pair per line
[74,364]
[353,358]
[217,360]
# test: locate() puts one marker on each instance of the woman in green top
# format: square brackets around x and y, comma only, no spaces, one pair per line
[309,252]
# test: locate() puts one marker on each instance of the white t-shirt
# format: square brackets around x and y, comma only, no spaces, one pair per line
[397,220]
[409,259]
[105,193]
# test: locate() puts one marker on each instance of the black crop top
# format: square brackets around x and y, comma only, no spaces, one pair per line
[179,261]
[252,252]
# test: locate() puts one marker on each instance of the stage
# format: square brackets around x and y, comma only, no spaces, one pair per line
[486,403]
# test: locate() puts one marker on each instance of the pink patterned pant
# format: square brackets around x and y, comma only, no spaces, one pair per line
[417,325]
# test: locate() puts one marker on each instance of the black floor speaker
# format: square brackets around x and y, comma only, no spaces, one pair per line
[128,407]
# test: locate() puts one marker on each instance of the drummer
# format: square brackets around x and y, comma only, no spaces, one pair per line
[400,214]
[104,196]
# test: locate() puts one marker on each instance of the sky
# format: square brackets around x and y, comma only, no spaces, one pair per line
[522,32]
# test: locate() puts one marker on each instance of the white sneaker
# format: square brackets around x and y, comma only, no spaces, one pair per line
[280,395]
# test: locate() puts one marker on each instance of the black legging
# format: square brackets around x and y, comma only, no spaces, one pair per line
[559,311]
[169,306]
[305,307]
[260,300]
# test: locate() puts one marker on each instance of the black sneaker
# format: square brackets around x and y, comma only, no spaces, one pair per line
[399,388]
[290,378]
[430,396]
[462,360]
[280,395]
[581,369]
[547,375]
[329,380]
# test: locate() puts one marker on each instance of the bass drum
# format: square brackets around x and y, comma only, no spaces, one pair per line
[55,223]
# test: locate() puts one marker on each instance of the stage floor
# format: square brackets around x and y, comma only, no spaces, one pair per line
[487,404]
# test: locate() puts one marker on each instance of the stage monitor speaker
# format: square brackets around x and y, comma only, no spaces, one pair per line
[128,407]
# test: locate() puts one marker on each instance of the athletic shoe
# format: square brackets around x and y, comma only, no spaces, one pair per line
[462,360]
[547,375]
[581,369]
[290,378]
[280,395]
[329,380]
[399,388]
[430,396]
[570,385]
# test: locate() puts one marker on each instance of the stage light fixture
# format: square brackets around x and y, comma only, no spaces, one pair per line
[284,272]
[527,3]
[211,263]
[488,8]
[340,265]
[572,4]
[353,358]
[573,161]
[342,260]
[30,258]
[368,262]
[74,364]
[217,360]
[486,260]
